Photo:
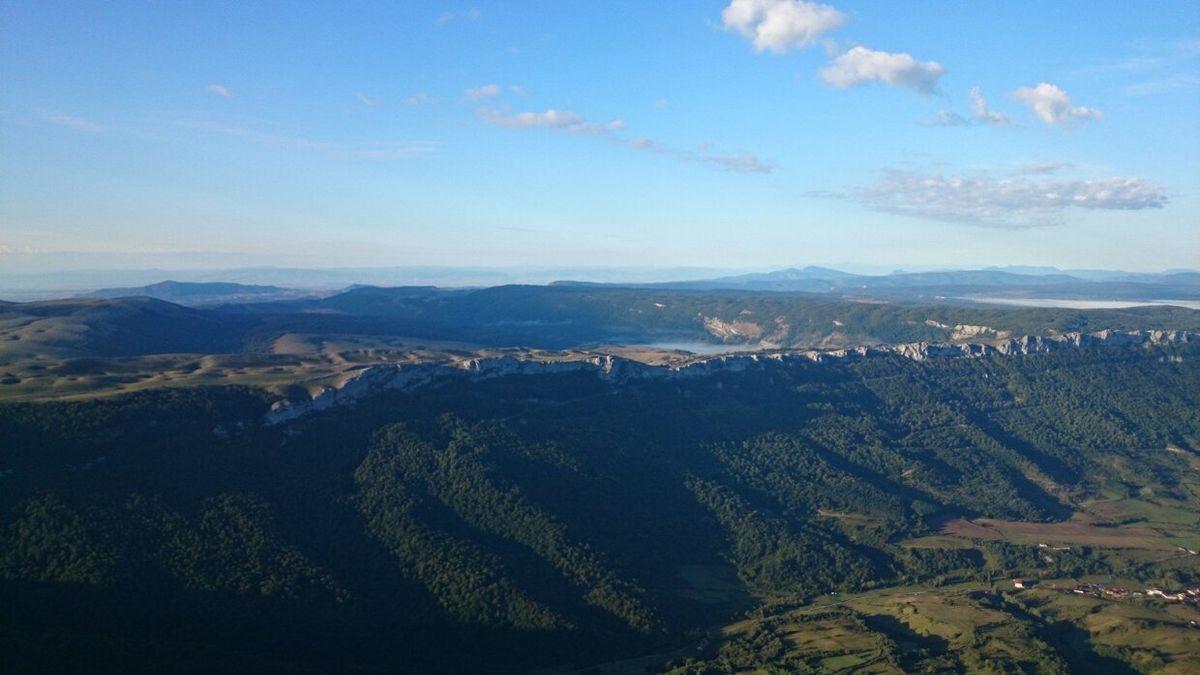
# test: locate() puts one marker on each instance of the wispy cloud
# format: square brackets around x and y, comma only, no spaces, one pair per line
[985,200]
[388,149]
[562,120]
[1152,57]
[739,162]
[860,66]
[1052,105]
[471,14]
[946,118]
[980,114]
[373,150]
[368,100]
[660,104]
[1045,167]
[573,123]
[1164,84]
[420,98]
[72,122]
[483,92]
[218,90]
[781,25]
[979,108]
[1152,68]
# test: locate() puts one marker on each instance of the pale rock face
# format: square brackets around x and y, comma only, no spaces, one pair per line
[727,330]
[619,370]
[965,331]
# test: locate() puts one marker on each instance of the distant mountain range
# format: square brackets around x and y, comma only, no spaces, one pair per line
[552,317]
[210,287]
[961,285]
[197,294]
[808,278]
[25,282]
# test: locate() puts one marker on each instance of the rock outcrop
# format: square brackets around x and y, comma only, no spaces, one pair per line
[618,370]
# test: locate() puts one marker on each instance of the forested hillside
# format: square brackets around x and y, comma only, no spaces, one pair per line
[560,521]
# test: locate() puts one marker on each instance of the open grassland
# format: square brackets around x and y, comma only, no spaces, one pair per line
[1164,512]
[1074,533]
[1151,636]
[83,378]
[1149,524]
[960,628]
[296,365]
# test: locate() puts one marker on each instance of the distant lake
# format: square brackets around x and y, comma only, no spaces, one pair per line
[1084,304]
[704,348]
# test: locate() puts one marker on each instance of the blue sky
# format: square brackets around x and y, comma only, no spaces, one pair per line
[751,133]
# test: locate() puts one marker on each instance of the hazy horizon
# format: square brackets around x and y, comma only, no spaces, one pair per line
[35,278]
[20,263]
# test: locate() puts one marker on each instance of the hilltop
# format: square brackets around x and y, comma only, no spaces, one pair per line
[198,294]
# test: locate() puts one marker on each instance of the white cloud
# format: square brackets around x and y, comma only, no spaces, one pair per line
[517,90]
[72,122]
[984,200]
[979,108]
[420,98]
[562,120]
[218,90]
[866,66]
[1052,105]
[980,114]
[471,14]
[780,25]
[368,100]
[487,91]
[660,104]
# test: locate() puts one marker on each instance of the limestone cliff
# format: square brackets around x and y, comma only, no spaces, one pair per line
[618,370]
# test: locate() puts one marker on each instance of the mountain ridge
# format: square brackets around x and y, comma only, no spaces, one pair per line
[618,370]
[198,294]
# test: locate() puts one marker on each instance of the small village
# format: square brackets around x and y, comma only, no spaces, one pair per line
[1190,595]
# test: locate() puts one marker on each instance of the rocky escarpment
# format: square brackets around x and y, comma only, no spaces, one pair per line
[618,370]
